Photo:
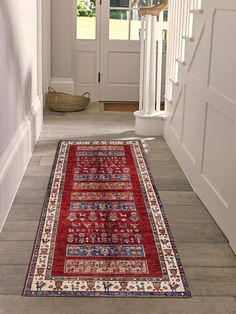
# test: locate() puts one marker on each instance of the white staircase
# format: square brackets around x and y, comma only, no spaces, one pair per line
[182,17]
[149,120]
[200,125]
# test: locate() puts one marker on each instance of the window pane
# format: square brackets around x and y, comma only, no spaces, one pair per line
[135,25]
[86,19]
[119,3]
[165,17]
[144,3]
[119,24]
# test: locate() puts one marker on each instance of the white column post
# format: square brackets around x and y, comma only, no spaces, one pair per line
[147,64]
[159,63]
[141,76]
[148,121]
[152,69]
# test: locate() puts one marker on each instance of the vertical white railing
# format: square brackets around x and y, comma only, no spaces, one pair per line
[150,63]
[141,75]
[147,92]
[159,63]
[149,120]
[180,28]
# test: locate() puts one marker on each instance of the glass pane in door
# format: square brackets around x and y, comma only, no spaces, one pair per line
[86,19]
[119,3]
[144,3]
[125,20]
[119,25]
[135,25]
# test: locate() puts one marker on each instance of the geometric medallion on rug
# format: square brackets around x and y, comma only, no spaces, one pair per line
[103,230]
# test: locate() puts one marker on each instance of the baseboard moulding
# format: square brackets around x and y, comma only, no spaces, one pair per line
[17,155]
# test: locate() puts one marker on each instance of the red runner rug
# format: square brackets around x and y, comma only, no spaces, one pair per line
[103,231]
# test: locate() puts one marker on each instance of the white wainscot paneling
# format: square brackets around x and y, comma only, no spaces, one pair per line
[86,73]
[85,68]
[192,126]
[128,74]
[197,65]
[207,150]
[223,54]
[176,121]
[218,156]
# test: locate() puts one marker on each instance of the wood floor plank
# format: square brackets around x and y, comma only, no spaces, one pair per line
[179,198]
[153,148]
[165,173]
[34,161]
[200,232]
[15,252]
[209,262]
[187,213]
[172,185]
[19,231]
[24,212]
[45,148]
[46,161]
[206,254]
[12,279]
[29,197]
[169,163]
[161,154]
[196,305]
[38,171]
[34,182]
[212,281]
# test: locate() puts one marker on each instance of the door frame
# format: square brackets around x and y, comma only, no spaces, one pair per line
[92,52]
[114,46]
[91,47]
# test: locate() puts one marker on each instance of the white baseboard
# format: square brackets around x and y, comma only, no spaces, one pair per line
[16,157]
[64,85]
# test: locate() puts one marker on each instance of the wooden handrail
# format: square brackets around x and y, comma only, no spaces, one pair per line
[154,10]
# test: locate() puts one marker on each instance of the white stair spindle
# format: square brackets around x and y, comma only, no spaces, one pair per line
[153,51]
[141,76]
[175,43]
[147,63]
[170,46]
[159,63]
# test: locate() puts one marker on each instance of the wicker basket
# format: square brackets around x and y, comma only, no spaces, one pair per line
[65,102]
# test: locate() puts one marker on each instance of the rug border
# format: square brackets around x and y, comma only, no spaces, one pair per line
[41,218]
[185,294]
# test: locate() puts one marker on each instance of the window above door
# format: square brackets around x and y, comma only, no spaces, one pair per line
[124,18]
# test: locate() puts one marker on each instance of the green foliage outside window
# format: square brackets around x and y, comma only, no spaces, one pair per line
[86,8]
[118,15]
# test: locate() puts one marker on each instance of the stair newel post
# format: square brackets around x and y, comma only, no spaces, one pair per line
[149,120]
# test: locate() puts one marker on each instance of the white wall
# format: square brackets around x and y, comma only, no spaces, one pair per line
[20,98]
[46,49]
[201,124]
[62,44]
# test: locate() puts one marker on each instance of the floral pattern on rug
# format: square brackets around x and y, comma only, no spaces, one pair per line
[103,230]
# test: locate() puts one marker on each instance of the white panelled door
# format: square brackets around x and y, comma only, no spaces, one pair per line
[119,51]
[107,50]
[87,47]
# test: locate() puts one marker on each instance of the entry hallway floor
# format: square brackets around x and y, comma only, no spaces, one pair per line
[209,263]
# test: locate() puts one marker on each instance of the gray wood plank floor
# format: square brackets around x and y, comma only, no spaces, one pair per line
[209,263]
